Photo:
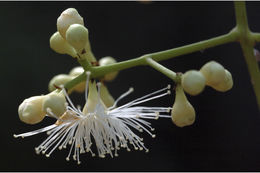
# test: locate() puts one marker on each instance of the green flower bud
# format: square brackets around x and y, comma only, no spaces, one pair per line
[77,37]
[193,82]
[59,80]
[30,110]
[55,102]
[183,113]
[106,61]
[213,73]
[68,17]
[76,71]
[226,84]
[106,96]
[59,45]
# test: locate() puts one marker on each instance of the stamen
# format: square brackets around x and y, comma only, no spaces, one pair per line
[67,96]
[35,131]
[88,73]
[141,98]
[99,85]
[121,97]
[50,113]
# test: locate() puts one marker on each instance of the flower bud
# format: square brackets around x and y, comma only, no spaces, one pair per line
[183,113]
[59,45]
[213,73]
[106,96]
[55,102]
[76,71]
[77,37]
[68,17]
[30,110]
[226,84]
[59,80]
[193,82]
[106,61]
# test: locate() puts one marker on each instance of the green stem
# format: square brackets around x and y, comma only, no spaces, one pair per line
[164,55]
[172,75]
[86,58]
[247,40]
[100,71]
[256,36]
[97,72]
[223,39]
[75,81]
[84,63]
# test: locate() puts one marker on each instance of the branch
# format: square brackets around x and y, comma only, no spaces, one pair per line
[247,40]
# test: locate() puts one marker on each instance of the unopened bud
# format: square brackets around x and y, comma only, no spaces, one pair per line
[76,71]
[55,102]
[107,61]
[68,17]
[77,37]
[193,82]
[226,84]
[59,80]
[60,45]
[213,73]
[30,110]
[183,113]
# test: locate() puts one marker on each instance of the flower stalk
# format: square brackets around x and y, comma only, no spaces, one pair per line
[99,71]
[240,33]
[247,40]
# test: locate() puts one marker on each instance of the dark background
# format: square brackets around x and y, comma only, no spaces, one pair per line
[226,134]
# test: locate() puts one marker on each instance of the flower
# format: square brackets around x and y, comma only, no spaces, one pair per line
[108,128]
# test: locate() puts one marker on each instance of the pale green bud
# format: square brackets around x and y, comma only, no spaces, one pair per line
[54,102]
[193,82]
[226,84]
[68,17]
[106,96]
[213,73]
[30,110]
[59,80]
[183,113]
[77,37]
[107,61]
[76,71]
[59,45]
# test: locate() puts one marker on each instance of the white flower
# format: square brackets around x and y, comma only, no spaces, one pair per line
[111,128]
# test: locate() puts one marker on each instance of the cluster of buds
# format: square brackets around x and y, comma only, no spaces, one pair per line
[193,82]
[72,36]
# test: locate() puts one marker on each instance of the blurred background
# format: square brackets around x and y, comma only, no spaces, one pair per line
[225,135]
